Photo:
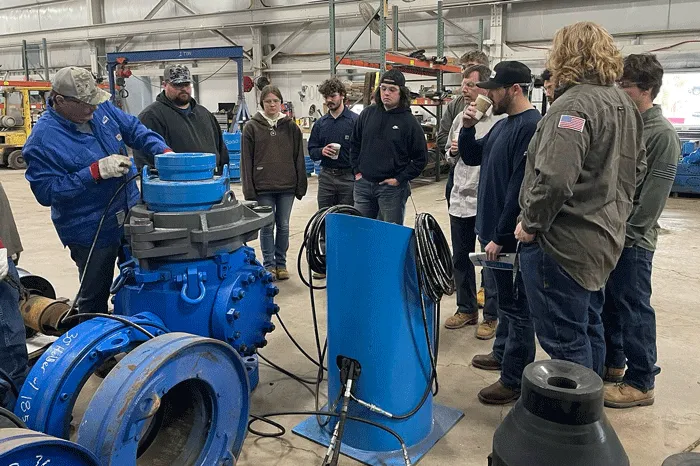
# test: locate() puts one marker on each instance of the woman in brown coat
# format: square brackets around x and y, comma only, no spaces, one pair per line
[273,173]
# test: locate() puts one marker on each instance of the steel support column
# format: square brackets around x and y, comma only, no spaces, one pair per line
[440,54]
[331,31]
[481,35]
[45,52]
[382,35]
[395,30]
[496,51]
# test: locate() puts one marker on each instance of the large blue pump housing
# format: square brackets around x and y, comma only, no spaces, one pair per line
[189,263]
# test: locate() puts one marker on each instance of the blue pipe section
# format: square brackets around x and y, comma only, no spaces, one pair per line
[22,447]
[51,389]
[200,385]
[375,317]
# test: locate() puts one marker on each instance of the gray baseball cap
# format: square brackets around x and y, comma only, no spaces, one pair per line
[80,84]
[177,74]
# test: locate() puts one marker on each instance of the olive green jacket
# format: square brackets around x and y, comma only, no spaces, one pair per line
[583,166]
[663,149]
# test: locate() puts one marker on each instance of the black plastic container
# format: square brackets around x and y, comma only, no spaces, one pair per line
[559,420]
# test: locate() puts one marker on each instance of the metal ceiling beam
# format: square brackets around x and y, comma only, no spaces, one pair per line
[150,15]
[286,42]
[34,4]
[214,31]
[280,15]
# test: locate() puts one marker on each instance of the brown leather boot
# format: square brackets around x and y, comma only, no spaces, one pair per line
[626,396]
[486,362]
[486,329]
[461,319]
[498,394]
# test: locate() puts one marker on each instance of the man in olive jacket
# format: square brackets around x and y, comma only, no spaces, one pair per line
[629,318]
[583,164]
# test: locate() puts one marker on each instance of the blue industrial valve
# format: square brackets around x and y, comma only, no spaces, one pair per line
[49,394]
[25,447]
[189,263]
[178,399]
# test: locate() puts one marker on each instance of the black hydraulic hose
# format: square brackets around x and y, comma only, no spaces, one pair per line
[71,311]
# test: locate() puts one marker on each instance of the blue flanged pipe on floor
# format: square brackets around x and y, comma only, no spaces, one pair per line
[178,398]
[52,387]
[20,447]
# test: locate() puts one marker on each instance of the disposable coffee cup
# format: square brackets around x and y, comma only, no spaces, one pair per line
[483,104]
[336,149]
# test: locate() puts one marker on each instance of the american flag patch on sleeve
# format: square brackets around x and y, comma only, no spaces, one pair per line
[666,171]
[572,122]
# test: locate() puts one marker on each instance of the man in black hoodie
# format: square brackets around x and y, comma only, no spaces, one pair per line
[387,151]
[185,125]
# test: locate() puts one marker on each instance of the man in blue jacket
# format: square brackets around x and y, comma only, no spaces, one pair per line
[502,155]
[76,161]
[336,181]
[387,151]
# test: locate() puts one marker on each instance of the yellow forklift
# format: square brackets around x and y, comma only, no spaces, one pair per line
[21,105]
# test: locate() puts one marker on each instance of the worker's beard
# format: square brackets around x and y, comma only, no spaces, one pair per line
[181,99]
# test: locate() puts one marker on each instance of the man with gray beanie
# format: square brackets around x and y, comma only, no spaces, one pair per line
[184,124]
[76,162]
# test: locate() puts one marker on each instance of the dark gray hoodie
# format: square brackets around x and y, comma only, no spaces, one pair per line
[191,130]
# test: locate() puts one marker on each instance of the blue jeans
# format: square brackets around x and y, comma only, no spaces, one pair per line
[97,281]
[629,319]
[275,244]
[515,334]
[13,344]
[488,282]
[567,316]
[381,201]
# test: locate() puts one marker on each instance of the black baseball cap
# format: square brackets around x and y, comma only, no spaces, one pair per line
[508,73]
[393,77]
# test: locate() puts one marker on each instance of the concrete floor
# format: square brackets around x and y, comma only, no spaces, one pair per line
[649,434]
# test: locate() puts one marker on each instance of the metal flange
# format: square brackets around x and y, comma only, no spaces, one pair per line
[177,399]
[51,389]
[22,447]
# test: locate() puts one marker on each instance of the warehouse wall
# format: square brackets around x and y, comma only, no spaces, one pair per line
[526,24]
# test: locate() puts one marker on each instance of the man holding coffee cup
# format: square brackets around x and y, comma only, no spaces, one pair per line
[462,210]
[501,155]
[330,143]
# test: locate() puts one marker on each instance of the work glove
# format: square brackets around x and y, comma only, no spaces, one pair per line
[112,166]
[4,266]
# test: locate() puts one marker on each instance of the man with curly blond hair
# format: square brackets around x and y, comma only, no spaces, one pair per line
[583,166]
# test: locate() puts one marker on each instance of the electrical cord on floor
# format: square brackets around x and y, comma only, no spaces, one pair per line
[286,372]
[284,327]
[71,311]
[282,430]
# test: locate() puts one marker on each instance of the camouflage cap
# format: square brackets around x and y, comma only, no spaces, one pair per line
[80,84]
[177,74]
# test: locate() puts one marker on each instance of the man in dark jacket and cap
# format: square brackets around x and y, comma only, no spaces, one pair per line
[387,150]
[184,124]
